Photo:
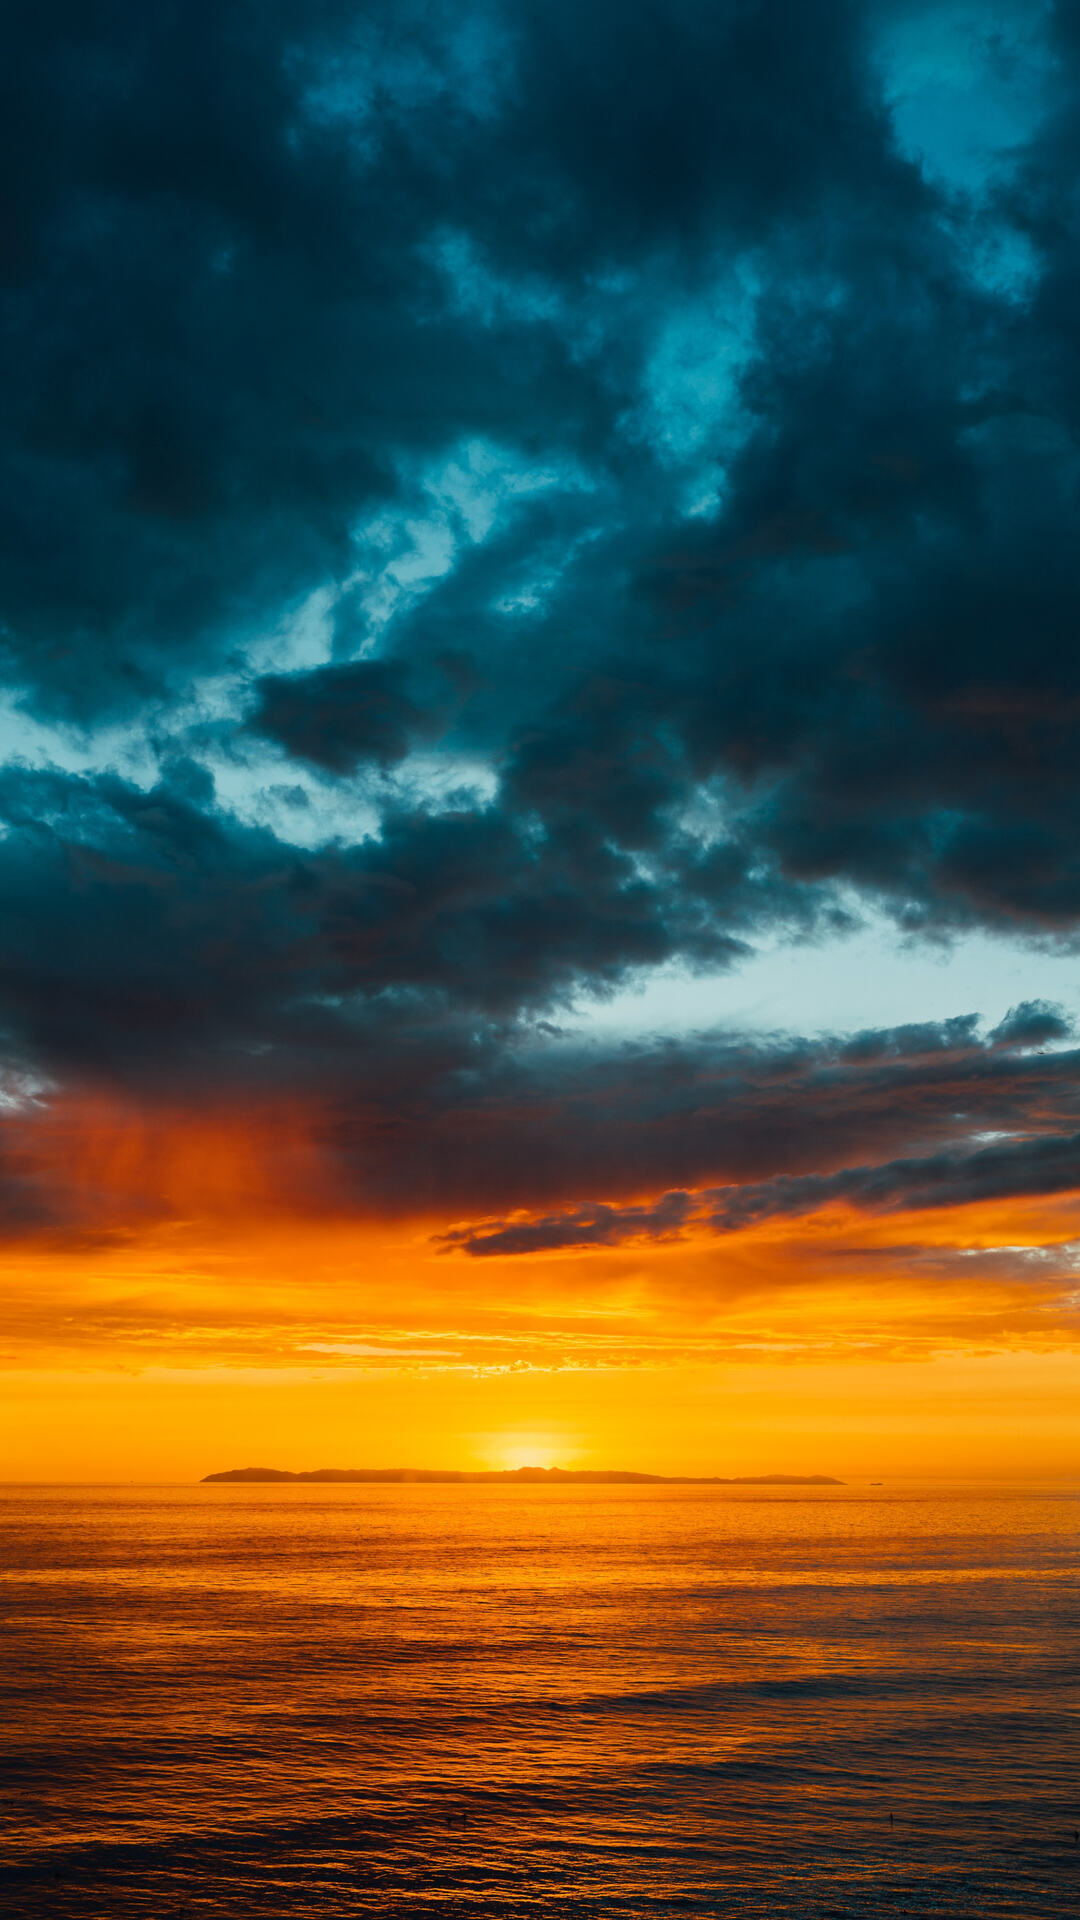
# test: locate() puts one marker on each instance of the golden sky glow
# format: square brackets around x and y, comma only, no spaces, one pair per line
[208,1312]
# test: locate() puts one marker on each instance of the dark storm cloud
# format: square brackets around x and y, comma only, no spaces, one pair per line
[148,935]
[221,330]
[674,125]
[267,270]
[366,711]
[339,717]
[1032,1024]
[1046,1165]
[1050,1164]
[720,1112]
[410,1112]
[224,322]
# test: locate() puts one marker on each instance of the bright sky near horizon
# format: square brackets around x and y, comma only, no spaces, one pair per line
[539,774]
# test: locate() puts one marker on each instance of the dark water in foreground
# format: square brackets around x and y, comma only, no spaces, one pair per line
[589,1701]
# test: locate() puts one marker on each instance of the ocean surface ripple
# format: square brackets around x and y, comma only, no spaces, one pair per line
[298,1700]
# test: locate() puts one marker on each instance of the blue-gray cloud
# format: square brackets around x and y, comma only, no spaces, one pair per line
[1043,1165]
[662,440]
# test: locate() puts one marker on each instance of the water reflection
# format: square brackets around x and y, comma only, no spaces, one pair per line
[614,1701]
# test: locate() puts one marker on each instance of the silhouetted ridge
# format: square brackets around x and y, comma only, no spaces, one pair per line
[544,1476]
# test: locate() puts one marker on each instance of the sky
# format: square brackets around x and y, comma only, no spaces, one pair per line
[539,791]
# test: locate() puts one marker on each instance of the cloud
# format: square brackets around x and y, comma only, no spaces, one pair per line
[226,328]
[501,1142]
[302,301]
[1047,1165]
[1031,1024]
[338,717]
[590,1226]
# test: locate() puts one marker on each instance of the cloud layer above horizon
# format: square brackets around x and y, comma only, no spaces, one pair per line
[506,500]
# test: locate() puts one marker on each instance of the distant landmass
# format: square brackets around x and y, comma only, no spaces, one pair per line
[531,1476]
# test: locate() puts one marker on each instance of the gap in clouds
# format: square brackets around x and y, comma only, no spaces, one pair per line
[869,977]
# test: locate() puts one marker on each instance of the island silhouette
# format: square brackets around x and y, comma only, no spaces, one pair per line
[529,1476]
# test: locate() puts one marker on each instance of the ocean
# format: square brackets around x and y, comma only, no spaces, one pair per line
[572,1701]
